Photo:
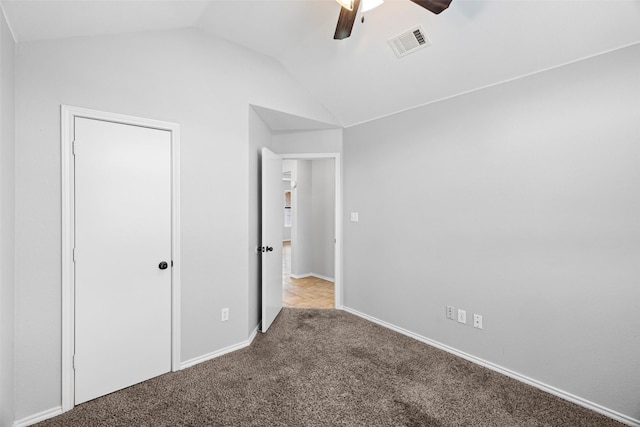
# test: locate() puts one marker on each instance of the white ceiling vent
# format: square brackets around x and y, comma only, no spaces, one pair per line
[409,41]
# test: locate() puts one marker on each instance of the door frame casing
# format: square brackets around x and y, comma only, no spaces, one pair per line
[337,265]
[67,119]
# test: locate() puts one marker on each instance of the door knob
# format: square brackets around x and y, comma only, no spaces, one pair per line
[267,248]
[163,265]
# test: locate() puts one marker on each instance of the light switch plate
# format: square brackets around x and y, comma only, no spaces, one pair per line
[354,216]
[450,311]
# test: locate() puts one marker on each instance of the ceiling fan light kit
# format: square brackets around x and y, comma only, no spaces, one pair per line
[349,10]
[347,4]
[346,20]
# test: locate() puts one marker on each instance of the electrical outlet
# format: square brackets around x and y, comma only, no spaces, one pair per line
[462,316]
[477,321]
[450,313]
[224,314]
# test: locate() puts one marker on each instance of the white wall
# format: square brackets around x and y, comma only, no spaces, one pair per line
[7,222]
[206,85]
[520,202]
[319,141]
[323,217]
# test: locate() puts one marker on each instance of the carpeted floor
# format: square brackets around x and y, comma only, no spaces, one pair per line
[329,368]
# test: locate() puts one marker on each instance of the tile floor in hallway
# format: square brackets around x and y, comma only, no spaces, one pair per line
[308,292]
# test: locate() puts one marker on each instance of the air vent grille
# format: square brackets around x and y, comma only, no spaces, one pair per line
[409,41]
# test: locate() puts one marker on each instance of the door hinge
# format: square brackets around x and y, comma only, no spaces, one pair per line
[73,147]
[74,361]
[74,254]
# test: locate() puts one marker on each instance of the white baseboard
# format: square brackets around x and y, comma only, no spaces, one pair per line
[40,416]
[218,353]
[625,419]
[319,276]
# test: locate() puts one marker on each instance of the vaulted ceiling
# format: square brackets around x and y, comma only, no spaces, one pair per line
[474,43]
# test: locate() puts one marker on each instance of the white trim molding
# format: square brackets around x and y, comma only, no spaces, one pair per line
[196,360]
[68,115]
[625,419]
[40,416]
[319,276]
[337,280]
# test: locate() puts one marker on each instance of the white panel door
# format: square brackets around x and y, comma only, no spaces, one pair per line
[122,235]
[272,221]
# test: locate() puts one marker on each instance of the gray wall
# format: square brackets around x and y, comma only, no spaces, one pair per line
[323,217]
[302,224]
[206,85]
[7,222]
[520,202]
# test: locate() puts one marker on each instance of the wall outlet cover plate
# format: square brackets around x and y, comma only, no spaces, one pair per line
[462,316]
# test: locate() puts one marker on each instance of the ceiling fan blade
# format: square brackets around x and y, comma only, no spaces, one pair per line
[345,21]
[435,6]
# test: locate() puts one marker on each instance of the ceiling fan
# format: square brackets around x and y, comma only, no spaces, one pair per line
[350,9]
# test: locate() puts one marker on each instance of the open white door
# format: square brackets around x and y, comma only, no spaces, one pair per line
[272,220]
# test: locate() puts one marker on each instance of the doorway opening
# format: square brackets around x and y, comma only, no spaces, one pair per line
[309,247]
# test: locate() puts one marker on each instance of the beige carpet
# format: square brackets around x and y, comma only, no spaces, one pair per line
[329,368]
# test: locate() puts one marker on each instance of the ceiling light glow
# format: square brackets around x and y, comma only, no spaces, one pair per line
[367,5]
